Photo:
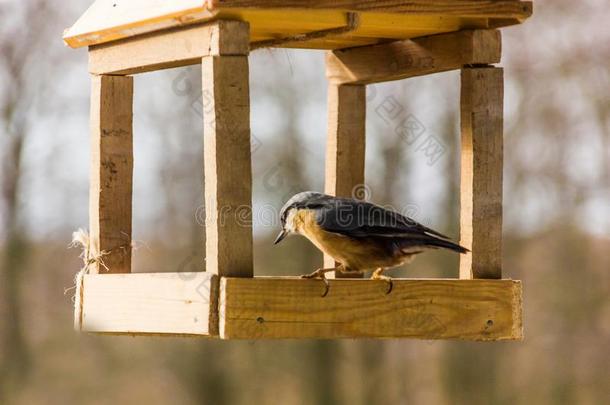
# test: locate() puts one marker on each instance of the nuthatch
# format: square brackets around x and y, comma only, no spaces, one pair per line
[360,236]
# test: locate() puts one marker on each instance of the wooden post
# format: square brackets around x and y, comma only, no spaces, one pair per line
[345,144]
[481,172]
[111,173]
[228,168]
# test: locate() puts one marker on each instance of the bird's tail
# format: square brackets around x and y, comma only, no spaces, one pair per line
[445,244]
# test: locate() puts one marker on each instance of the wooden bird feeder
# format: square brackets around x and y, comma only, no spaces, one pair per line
[366,42]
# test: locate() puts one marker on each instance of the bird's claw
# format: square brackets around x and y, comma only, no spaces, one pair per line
[322,276]
[315,274]
[377,276]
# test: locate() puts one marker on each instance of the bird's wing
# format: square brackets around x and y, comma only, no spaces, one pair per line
[360,219]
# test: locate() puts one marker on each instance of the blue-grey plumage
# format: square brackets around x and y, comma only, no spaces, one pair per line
[359,235]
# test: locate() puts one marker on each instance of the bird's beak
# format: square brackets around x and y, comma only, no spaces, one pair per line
[281,236]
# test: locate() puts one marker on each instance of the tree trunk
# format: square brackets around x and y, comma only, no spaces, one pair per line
[13,347]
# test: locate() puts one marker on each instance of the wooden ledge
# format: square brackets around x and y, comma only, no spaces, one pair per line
[262,308]
[150,304]
[191,304]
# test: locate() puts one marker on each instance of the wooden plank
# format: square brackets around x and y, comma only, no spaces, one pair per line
[111,173]
[486,8]
[108,20]
[481,172]
[345,144]
[111,20]
[416,57]
[372,28]
[371,25]
[262,308]
[169,49]
[228,167]
[151,303]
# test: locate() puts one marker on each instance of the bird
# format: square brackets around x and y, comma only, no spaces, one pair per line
[359,235]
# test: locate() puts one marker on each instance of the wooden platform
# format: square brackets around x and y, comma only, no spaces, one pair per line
[272,307]
[379,21]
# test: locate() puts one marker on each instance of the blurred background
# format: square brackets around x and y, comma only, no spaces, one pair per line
[556,226]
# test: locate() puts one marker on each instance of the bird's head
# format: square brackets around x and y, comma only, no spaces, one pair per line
[303,200]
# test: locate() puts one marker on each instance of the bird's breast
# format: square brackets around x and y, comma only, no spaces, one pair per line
[355,254]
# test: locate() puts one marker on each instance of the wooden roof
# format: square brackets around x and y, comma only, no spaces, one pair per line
[109,20]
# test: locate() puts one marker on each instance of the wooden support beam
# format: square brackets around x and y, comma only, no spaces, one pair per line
[167,49]
[228,167]
[262,308]
[481,172]
[151,303]
[413,57]
[345,144]
[111,173]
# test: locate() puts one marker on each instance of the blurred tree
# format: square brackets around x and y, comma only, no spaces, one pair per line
[20,47]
